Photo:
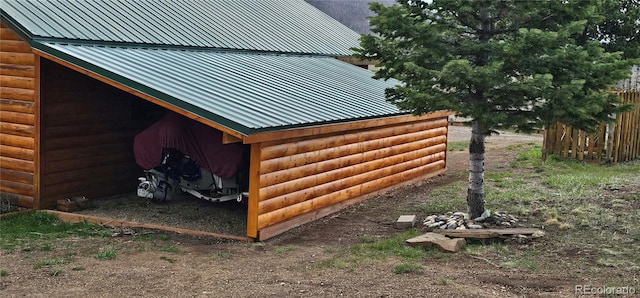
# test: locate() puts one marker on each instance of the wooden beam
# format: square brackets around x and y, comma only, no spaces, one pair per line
[254,191]
[487,233]
[74,217]
[229,139]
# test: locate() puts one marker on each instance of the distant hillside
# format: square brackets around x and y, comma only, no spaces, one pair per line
[351,13]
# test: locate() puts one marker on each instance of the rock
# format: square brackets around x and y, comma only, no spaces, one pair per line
[452,226]
[431,218]
[451,245]
[537,234]
[442,242]
[461,214]
[474,226]
[486,214]
[406,221]
[435,224]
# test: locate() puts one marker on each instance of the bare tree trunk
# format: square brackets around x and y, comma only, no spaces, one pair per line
[475,193]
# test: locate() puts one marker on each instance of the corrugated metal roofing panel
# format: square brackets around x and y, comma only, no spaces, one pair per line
[263,25]
[247,92]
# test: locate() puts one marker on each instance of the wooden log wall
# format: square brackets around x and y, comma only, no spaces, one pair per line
[86,137]
[304,175]
[18,120]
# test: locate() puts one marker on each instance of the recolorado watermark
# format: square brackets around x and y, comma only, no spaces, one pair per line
[603,290]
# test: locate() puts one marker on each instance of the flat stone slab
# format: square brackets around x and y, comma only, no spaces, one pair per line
[444,243]
[406,221]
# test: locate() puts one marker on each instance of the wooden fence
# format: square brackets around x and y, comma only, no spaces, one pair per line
[613,142]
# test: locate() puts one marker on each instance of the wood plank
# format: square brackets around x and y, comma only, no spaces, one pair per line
[16,176]
[53,167]
[73,152]
[16,164]
[16,129]
[18,70]
[601,144]
[574,143]
[17,58]
[487,233]
[88,175]
[17,152]
[17,93]
[17,82]
[73,217]
[14,46]
[560,132]
[18,141]
[89,140]
[19,106]
[8,34]
[591,146]
[16,188]
[89,128]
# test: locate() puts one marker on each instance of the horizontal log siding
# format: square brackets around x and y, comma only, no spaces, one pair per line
[18,114]
[87,136]
[303,175]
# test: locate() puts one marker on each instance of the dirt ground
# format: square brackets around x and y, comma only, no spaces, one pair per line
[287,265]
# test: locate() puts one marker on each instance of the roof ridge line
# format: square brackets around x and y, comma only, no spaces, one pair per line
[116,44]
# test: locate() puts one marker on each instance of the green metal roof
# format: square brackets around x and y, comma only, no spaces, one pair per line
[292,26]
[250,66]
[245,92]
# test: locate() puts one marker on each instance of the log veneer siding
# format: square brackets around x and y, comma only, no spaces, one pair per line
[18,120]
[303,176]
[87,136]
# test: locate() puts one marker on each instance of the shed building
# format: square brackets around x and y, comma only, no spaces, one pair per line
[77,78]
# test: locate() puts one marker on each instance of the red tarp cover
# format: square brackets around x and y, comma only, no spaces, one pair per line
[202,143]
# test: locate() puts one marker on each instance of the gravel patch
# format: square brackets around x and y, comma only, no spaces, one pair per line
[184,211]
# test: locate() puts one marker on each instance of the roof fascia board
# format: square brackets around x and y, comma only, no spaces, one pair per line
[169,102]
[341,127]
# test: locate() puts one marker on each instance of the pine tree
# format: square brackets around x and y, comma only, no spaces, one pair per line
[502,63]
